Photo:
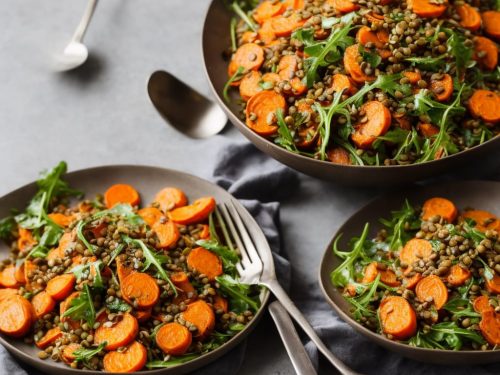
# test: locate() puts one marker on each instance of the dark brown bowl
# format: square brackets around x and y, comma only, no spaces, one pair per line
[478,160]
[148,181]
[477,194]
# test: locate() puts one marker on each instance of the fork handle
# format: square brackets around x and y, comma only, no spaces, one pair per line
[295,313]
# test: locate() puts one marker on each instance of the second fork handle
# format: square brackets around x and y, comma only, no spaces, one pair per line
[295,313]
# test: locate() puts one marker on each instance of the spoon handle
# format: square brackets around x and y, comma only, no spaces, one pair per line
[84,22]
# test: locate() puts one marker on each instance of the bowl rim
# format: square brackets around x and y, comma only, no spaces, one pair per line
[203,359]
[249,134]
[374,336]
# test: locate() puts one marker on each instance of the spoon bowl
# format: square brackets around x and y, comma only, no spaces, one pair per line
[183,107]
[74,55]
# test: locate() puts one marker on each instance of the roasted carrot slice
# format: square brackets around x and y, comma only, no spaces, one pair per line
[248,37]
[43,304]
[7,292]
[68,355]
[482,304]
[205,262]
[339,155]
[490,327]
[287,67]
[491,23]
[411,282]
[486,105]
[294,4]
[267,9]
[167,233]
[458,275]
[16,316]
[413,77]
[344,6]
[49,338]
[485,52]
[169,198]
[205,232]
[61,219]
[26,240]
[426,8]
[122,270]
[374,18]
[285,26]
[443,88]
[414,250]
[132,359]
[220,303]
[150,215]
[378,121]
[352,66]
[119,334]
[142,316]
[65,305]
[181,281]
[432,288]
[61,286]
[249,56]
[439,207]
[341,82]
[202,316]
[469,17]
[19,274]
[484,220]
[194,213]
[387,276]
[266,33]
[8,277]
[397,317]
[428,130]
[493,285]
[261,112]
[121,193]
[174,339]
[250,85]
[366,35]
[140,290]
[273,78]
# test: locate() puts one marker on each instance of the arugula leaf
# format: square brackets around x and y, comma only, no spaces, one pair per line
[241,296]
[462,54]
[398,236]
[83,271]
[84,355]
[428,63]
[345,272]
[461,307]
[153,258]
[362,302]
[240,72]
[371,58]
[172,362]
[50,237]
[240,12]
[82,307]
[232,31]
[118,305]
[285,138]
[453,336]
[7,227]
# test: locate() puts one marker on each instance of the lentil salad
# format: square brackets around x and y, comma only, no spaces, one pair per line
[430,278]
[367,82]
[103,284]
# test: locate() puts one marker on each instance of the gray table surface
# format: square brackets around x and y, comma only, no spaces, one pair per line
[101,114]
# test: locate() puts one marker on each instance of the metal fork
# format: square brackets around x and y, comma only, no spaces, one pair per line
[257,267]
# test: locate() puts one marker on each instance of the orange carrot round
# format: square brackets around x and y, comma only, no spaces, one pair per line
[432,287]
[469,17]
[119,334]
[169,198]
[181,281]
[249,56]
[493,285]
[205,262]
[426,8]
[167,233]
[366,35]
[65,305]
[122,270]
[61,219]
[267,9]
[287,67]
[121,193]
[344,6]
[150,215]
[61,286]
[428,130]
[261,112]
[378,121]
[458,275]
[352,66]
[486,105]
[482,304]
[341,82]
[16,316]
[285,26]
[132,359]
[339,155]
[413,77]
[49,338]
[484,220]
[141,290]
[249,85]
[194,213]
[397,317]
[220,303]
[414,250]
[68,355]
[490,327]
[142,316]
[26,240]
[173,339]
[439,207]
[202,316]
[411,282]
[491,23]
[485,52]
[19,274]
[443,88]
[43,304]
[8,277]
[7,292]
[387,276]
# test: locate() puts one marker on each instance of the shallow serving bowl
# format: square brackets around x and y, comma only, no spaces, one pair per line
[476,194]
[148,181]
[216,40]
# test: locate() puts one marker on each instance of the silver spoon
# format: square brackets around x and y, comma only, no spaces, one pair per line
[183,107]
[75,53]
